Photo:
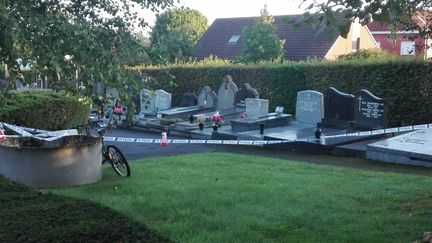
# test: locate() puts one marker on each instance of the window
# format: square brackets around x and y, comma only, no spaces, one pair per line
[407,48]
[355,44]
[234,39]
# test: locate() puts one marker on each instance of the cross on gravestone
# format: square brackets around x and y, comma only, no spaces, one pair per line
[162,100]
[371,111]
[256,108]
[226,94]
[188,99]
[207,97]
[339,109]
[309,107]
[245,91]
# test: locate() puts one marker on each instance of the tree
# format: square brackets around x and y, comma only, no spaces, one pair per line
[260,41]
[74,41]
[407,14]
[175,34]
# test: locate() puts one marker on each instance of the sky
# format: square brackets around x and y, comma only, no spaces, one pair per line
[213,9]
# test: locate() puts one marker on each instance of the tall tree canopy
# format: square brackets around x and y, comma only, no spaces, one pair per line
[260,40]
[175,33]
[407,14]
[74,40]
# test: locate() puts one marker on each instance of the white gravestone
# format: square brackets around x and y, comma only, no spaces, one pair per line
[226,95]
[256,108]
[309,107]
[147,99]
[162,100]
[207,97]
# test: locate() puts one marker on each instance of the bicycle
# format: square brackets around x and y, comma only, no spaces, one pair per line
[110,153]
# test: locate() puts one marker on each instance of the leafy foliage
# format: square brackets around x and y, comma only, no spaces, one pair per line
[30,216]
[35,109]
[96,36]
[175,33]
[409,15]
[260,41]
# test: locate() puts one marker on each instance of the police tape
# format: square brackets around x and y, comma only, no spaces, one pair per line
[266,142]
[226,142]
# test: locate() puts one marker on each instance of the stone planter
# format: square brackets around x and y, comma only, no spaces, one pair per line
[68,161]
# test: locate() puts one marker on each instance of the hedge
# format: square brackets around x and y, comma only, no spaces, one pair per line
[44,109]
[405,84]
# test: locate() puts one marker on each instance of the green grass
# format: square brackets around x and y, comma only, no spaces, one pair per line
[26,215]
[230,198]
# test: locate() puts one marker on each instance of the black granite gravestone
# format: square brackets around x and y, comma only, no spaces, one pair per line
[371,111]
[188,99]
[245,91]
[339,109]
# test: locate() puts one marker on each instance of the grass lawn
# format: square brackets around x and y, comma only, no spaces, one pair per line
[221,197]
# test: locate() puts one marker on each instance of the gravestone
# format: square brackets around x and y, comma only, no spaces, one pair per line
[112,93]
[188,99]
[256,108]
[309,107]
[226,95]
[339,109]
[147,101]
[207,97]
[371,111]
[245,91]
[414,148]
[162,100]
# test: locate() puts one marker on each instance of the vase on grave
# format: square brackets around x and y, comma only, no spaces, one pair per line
[201,126]
[215,127]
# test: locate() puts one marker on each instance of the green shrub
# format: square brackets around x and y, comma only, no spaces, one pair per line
[44,109]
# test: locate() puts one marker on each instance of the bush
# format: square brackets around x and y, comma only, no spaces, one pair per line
[44,109]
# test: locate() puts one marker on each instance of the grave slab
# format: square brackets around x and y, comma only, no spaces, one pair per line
[414,148]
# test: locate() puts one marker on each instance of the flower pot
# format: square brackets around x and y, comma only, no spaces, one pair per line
[201,126]
[215,128]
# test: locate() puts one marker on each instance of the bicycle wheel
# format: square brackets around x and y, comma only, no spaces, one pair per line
[118,161]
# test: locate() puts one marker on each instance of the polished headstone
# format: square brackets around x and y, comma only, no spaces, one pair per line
[309,107]
[256,108]
[371,111]
[226,94]
[188,99]
[339,109]
[245,91]
[414,148]
[207,97]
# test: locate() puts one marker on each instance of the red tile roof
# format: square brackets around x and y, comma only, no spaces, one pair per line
[301,43]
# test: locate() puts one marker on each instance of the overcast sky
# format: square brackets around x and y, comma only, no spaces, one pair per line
[213,9]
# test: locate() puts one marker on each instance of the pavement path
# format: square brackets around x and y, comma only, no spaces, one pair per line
[135,151]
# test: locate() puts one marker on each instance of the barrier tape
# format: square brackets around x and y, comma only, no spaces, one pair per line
[222,142]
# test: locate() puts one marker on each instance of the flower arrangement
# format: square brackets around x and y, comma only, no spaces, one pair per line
[201,118]
[217,120]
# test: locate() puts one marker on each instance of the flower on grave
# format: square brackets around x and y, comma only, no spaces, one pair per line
[243,116]
[217,120]
[201,118]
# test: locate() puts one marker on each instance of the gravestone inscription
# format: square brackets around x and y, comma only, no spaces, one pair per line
[309,107]
[256,108]
[371,111]
[162,100]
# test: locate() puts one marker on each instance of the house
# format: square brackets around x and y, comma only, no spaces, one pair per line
[223,39]
[405,43]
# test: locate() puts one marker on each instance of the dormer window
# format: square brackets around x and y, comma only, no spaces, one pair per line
[234,39]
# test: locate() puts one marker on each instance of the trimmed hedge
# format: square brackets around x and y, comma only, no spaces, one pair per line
[405,84]
[30,216]
[44,109]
